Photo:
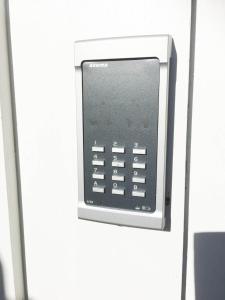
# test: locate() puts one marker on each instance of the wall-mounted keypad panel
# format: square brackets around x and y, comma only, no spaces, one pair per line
[120,130]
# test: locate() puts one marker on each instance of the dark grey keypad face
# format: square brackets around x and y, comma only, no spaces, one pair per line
[120,132]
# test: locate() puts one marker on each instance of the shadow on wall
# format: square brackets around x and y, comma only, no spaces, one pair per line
[2,289]
[209,261]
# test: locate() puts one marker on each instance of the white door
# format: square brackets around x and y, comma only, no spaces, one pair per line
[67,258]
[206,240]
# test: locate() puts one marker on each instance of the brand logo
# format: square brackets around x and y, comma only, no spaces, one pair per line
[98,65]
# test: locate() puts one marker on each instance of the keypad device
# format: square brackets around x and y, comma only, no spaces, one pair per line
[120,134]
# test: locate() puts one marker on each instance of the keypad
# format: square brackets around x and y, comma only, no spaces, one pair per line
[120,133]
[119,166]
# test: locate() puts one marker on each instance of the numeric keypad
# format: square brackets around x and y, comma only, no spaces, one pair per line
[119,162]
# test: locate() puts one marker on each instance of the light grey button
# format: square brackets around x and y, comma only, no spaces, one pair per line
[118,177]
[139,165]
[118,149]
[118,163]
[98,162]
[138,193]
[118,191]
[139,151]
[138,179]
[98,176]
[98,189]
[98,148]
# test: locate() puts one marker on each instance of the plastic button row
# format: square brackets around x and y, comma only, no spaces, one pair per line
[119,149]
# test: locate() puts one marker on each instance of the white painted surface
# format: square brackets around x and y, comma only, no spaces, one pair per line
[6,266]
[207,178]
[11,276]
[67,258]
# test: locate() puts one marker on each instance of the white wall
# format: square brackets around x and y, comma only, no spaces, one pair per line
[10,262]
[206,272]
[67,258]
[7,289]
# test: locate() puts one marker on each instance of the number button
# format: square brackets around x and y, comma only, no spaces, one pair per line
[118,191]
[98,148]
[98,175]
[138,193]
[140,151]
[139,179]
[139,165]
[118,163]
[98,189]
[98,162]
[118,177]
[118,149]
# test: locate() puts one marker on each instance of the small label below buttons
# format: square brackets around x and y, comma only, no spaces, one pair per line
[98,189]
[118,191]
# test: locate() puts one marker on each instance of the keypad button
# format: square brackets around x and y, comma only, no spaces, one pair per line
[118,163]
[118,177]
[98,162]
[98,149]
[118,149]
[139,165]
[98,189]
[139,179]
[138,193]
[98,176]
[118,191]
[140,151]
